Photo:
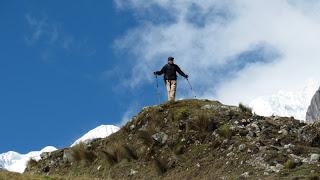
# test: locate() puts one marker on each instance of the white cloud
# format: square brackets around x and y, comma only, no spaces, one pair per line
[205,47]
[51,35]
[129,113]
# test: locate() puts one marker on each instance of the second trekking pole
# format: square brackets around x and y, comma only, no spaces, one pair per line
[194,94]
[158,92]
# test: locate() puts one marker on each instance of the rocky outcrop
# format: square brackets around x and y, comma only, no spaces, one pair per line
[313,113]
[194,139]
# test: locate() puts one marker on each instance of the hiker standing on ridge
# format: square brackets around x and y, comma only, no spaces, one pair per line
[170,77]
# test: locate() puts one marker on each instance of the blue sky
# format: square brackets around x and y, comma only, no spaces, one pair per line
[69,66]
[57,71]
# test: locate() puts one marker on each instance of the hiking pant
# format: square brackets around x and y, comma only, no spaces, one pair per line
[171,89]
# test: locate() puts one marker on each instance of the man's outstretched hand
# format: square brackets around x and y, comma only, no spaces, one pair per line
[155,73]
[186,76]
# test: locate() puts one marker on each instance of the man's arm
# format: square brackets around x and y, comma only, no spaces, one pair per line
[181,72]
[161,71]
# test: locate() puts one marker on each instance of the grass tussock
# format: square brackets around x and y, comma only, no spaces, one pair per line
[80,153]
[290,164]
[160,166]
[178,149]
[181,113]
[245,108]
[117,152]
[313,177]
[225,131]
[204,123]
[110,158]
[145,137]
[32,163]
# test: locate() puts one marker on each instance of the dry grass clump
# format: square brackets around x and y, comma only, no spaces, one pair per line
[290,164]
[117,152]
[225,131]
[160,165]
[245,108]
[81,153]
[203,123]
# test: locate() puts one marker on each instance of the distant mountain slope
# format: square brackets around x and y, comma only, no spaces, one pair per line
[16,162]
[98,132]
[286,103]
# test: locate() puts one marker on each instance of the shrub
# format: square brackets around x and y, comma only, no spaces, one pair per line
[225,131]
[145,137]
[160,166]
[110,158]
[290,164]
[31,163]
[181,113]
[80,153]
[118,152]
[178,149]
[203,122]
[245,108]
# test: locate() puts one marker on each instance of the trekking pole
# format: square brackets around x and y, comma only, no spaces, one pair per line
[158,92]
[194,94]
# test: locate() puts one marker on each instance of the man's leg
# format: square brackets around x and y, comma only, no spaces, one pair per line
[168,85]
[173,90]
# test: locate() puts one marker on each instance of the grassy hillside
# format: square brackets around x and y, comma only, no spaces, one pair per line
[194,139]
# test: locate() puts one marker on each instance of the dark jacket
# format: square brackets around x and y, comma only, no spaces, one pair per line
[170,72]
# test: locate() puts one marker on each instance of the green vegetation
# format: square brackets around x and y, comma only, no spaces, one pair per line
[225,131]
[290,164]
[181,113]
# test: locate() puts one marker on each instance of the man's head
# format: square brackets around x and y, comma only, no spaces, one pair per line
[170,60]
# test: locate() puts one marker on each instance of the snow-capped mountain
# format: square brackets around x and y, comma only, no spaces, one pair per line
[98,132]
[15,162]
[286,103]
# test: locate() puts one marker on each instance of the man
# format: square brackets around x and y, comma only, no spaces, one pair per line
[170,77]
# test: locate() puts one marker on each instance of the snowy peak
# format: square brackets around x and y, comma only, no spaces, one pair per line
[286,103]
[16,162]
[98,132]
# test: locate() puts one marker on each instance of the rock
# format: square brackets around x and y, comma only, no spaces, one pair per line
[208,106]
[132,127]
[242,147]
[288,146]
[275,168]
[230,148]
[45,155]
[246,174]
[160,137]
[226,141]
[67,156]
[297,159]
[230,154]
[46,169]
[314,158]
[310,134]
[313,112]
[198,165]
[132,172]
[283,131]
